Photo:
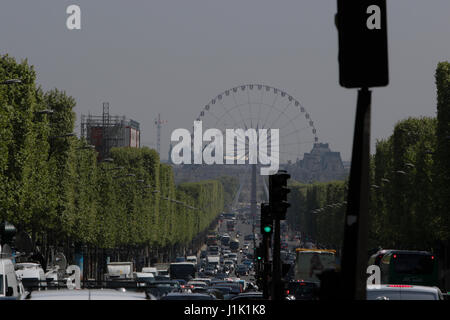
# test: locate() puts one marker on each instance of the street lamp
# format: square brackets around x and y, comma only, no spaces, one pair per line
[409,165]
[88,147]
[11,81]
[67,135]
[45,111]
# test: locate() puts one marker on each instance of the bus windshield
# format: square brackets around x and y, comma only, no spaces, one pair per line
[413,264]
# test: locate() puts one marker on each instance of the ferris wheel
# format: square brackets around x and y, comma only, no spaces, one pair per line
[259,106]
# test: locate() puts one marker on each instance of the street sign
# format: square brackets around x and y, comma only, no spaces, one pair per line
[363,46]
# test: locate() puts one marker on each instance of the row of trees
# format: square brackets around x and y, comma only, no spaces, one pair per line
[317,211]
[53,187]
[410,186]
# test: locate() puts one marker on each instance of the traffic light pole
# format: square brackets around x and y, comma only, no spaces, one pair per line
[266,266]
[354,255]
[276,268]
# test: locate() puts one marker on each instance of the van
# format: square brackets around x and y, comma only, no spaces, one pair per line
[152,270]
[10,286]
[192,259]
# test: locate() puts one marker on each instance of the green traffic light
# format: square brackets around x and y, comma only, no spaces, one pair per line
[267,229]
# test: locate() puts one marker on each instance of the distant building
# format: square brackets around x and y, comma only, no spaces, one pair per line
[321,165]
[106,132]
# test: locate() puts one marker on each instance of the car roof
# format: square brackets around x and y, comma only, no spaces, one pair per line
[87,294]
[402,287]
[189,295]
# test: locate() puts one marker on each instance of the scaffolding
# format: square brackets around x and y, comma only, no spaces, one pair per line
[106,131]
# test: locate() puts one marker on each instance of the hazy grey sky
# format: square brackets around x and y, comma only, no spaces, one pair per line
[172,57]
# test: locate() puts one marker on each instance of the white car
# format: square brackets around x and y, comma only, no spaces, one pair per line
[403,292]
[31,274]
[88,294]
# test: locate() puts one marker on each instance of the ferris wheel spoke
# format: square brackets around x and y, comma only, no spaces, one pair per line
[213,114]
[260,107]
[236,104]
[280,114]
[227,112]
[294,143]
[295,131]
[250,108]
[270,109]
[291,120]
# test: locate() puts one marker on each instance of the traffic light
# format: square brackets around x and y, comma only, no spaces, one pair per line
[278,191]
[7,232]
[259,254]
[363,47]
[266,219]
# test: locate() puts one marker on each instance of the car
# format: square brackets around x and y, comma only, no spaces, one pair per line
[188,296]
[205,280]
[403,292]
[192,259]
[303,290]
[182,282]
[229,263]
[248,263]
[197,284]
[31,274]
[248,296]
[209,271]
[180,259]
[220,276]
[241,269]
[248,237]
[161,288]
[144,277]
[215,292]
[234,257]
[89,294]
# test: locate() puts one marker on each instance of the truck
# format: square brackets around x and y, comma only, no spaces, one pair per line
[182,270]
[213,261]
[119,270]
[311,262]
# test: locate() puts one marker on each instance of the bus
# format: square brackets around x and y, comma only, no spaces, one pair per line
[311,262]
[409,267]
[182,270]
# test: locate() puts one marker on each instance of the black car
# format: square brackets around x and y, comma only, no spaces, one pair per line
[248,296]
[303,290]
[188,296]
